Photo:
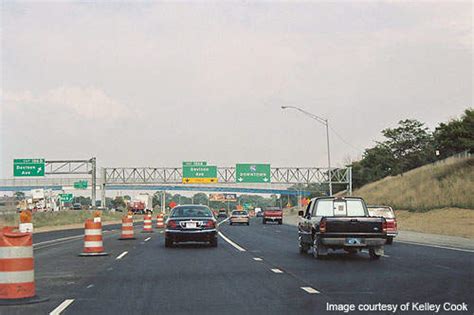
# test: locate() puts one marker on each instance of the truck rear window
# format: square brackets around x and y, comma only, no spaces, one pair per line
[330,208]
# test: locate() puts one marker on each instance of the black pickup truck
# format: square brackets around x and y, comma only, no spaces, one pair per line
[341,223]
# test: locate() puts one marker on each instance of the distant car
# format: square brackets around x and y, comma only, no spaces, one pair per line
[222,214]
[239,216]
[77,206]
[389,215]
[191,223]
[258,212]
[273,214]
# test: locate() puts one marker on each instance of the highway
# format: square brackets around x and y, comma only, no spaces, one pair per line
[256,269]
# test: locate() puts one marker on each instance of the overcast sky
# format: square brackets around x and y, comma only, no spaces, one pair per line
[153,84]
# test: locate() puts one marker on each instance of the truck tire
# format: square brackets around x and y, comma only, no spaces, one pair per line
[280,222]
[230,222]
[373,255]
[303,248]
[168,242]
[264,221]
[390,240]
[317,246]
[248,223]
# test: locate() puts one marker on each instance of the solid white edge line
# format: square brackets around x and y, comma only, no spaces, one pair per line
[436,246]
[58,240]
[219,223]
[310,290]
[147,239]
[231,242]
[276,270]
[121,255]
[58,310]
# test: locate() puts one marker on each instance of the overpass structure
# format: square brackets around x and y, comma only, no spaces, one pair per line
[171,178]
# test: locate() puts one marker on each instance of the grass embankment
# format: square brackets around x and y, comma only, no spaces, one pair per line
[448,184]
[439,197]
[60,219]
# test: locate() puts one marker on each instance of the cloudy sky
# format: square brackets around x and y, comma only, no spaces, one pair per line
[153,84]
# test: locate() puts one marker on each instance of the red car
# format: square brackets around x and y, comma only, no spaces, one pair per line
[387,213]
[273,214]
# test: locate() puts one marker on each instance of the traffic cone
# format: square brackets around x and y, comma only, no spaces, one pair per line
[17,271]
[93,245]
[147,224]
[160,222]
[127,228]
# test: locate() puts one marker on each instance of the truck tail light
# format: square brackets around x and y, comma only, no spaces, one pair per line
[210,224]
[322,226]
[171,224]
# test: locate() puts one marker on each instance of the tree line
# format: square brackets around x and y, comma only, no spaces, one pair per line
[411,144]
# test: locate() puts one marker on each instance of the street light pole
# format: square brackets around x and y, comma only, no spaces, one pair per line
[326,123]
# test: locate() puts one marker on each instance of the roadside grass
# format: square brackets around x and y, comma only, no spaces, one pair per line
[59,218]
[448,184]
[446,221]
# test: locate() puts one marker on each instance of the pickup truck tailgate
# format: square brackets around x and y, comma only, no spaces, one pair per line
[354,225]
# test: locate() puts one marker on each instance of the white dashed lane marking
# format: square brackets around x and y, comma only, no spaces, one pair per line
[276,270]
[310,290]
[121,255]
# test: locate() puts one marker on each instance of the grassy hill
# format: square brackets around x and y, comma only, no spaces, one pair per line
[446,184]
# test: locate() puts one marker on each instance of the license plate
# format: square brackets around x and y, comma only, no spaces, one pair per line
[191,225]
[353,241]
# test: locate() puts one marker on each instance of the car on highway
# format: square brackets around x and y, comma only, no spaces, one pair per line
[239,216]
[389,215]
[191,223]
[222,214]
[273,214]
[77,206]
[341,223]
[258,212]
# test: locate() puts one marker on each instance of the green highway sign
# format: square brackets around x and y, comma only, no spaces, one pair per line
[66,198]
[82,184]
[195,163]
[199,174]
[28,167]
[252,173]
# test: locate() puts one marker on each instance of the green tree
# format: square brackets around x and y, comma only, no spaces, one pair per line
[19,195]
[456,135]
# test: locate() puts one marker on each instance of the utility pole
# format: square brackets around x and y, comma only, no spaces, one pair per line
[94,181]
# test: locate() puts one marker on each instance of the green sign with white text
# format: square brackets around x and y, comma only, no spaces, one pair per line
[252,173]
[28,167]
[82,184]
[199,174]
[66,197]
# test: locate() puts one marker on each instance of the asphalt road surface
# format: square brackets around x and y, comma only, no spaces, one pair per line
[256,269]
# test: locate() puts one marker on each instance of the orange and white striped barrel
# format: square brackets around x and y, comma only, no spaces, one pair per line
[127,228]
[147,224]
[17,275]
[93,245]
[160,221]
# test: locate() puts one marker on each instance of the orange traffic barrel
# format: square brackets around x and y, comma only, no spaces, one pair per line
[93,245]
[147,224]
[17,271]
[160,221]
[127,228]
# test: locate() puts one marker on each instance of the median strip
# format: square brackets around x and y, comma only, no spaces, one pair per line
[58,310]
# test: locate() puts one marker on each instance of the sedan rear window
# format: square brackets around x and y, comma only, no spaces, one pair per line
[239,212]
[183,212]
[385,212]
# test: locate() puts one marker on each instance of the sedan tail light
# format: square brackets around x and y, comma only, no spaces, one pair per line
[171,224]
[385,226]
[210,224]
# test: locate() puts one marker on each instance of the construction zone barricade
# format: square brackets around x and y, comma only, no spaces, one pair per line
[127,228]
[93,245]
[160,221]
[147,224]
[17,271]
